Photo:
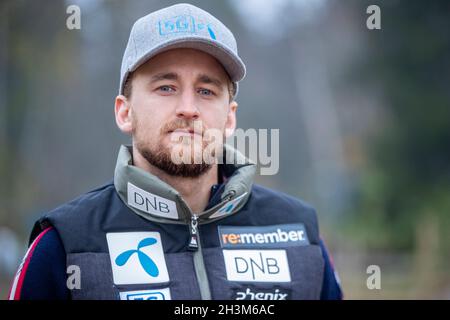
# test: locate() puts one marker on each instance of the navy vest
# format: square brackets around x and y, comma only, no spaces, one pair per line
[263,247]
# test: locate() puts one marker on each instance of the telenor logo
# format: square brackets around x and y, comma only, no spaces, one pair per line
[146,262]
[276,236]
[137,258]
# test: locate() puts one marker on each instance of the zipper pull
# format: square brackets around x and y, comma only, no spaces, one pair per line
[229,195]
[193,243]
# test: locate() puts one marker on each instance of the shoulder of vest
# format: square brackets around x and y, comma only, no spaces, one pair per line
[288,208]
[277,198]
[83,204]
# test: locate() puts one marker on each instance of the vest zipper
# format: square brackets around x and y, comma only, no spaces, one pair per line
[193,243]
[199,264]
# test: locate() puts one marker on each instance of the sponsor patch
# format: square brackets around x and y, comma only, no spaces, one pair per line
[257,265]
[227,207]
[159,294]
[276,236]
[250,293]
[151,203]
[137,258]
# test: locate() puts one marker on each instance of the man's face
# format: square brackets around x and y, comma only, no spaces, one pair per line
[176,98]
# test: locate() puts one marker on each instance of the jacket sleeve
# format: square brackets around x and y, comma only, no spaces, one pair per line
[331,288]
[42,273]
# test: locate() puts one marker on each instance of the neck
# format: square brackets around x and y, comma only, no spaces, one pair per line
[194,190]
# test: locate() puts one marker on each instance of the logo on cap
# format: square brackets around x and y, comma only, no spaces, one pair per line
[183,24]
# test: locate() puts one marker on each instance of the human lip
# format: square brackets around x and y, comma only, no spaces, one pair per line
[190,131]
[184,131]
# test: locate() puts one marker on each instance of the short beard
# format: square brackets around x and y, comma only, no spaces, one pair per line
[162,160]
[160,157]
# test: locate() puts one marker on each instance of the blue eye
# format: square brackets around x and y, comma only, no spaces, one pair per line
[205,92]
[166,89]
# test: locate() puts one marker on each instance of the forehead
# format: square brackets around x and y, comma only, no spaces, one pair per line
[184,62]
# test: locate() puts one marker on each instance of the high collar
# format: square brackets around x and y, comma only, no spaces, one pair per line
[155,200]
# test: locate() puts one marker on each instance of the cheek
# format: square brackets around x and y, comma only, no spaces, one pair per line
[215,117]
[146,125]
[150,127]
[150,114]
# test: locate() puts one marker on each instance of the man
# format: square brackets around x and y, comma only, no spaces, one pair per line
[171,229]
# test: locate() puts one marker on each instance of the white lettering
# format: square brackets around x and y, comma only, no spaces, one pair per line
[74,20]
[374,20]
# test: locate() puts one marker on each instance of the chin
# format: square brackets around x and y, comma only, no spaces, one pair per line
[188,154]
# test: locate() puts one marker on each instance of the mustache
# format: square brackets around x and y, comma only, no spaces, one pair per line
[192,125]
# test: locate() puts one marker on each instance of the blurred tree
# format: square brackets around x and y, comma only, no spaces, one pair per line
[407,179]
[33,45]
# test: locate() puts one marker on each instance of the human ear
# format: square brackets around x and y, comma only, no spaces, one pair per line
[122,110]
[230,124]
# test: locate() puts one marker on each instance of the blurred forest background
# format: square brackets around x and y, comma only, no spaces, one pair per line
[363,117]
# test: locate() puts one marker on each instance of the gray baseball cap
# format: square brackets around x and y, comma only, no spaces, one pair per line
[181,26]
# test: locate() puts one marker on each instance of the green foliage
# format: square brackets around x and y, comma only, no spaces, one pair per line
[408,175]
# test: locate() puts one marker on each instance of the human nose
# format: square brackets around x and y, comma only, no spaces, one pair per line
[186,107]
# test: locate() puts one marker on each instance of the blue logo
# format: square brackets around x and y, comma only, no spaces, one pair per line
[151,295]
[183,24]
[146,262]
[227,208]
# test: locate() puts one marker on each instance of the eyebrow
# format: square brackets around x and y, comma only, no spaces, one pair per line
[209,80]
[164,76]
